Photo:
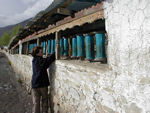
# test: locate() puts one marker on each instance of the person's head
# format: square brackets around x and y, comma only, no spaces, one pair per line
[37,51]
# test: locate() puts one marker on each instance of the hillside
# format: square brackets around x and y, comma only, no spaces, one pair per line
[10,27]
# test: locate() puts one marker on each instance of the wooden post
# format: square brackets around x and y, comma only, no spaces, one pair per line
[38,42]
[20,47]
[70,47]
[27,49]
[57,36]
[46,47]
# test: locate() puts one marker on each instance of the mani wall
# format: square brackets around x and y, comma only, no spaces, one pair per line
[120,86]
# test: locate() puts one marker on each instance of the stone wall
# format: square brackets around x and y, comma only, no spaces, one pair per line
[122,85]
[22,65]
[127,25]
[82,87]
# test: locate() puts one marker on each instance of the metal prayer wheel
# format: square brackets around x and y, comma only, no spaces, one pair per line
[61,46]
[66,47]
[80,46]
[74,47]
[100,47]
[49,46]
[52,46]
[89,40]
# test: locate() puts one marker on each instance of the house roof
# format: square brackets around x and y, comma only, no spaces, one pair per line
[50,16]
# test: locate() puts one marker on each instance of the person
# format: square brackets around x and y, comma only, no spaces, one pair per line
[40,81]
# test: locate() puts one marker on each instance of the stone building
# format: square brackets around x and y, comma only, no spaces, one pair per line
[118,82]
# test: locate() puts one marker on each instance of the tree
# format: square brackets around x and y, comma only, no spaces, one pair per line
[5,39]
[15,30]
[7,36]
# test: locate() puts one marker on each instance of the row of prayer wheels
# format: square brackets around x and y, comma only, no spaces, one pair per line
[92,47]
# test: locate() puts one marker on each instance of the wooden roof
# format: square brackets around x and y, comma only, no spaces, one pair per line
[51,16]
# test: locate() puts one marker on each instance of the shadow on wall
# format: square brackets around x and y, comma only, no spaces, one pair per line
[52,76]
[109,1]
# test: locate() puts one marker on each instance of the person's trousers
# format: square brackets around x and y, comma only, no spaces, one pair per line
[40,95]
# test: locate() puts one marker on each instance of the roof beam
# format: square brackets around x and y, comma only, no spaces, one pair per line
[63,11]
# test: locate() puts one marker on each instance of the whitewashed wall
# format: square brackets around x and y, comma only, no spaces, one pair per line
[127,24]
[22,65]
[81,87]
[122,85]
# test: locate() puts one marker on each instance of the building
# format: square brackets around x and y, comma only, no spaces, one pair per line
[116,80]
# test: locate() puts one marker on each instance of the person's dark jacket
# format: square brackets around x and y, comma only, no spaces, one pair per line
[39,66]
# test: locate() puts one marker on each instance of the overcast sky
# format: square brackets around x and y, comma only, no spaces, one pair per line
[15,11]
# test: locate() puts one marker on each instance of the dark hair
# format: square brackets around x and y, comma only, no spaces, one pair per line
[35,50]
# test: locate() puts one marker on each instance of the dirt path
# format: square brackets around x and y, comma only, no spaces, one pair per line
[13,97]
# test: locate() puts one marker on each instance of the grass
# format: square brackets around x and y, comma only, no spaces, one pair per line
[9,63]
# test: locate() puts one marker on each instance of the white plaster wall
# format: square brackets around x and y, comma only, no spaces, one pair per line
[125,86]
[80,87]
[127,25]
[22,65]
[122,85]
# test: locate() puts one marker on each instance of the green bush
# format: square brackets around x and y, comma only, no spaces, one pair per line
[5,39]
[7,36]
[9,63]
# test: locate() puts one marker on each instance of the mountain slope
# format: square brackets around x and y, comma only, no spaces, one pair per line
[10,27]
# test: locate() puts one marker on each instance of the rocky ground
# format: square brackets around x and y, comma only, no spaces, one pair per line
[13,96]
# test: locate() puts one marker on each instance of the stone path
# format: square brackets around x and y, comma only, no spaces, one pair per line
[13,97]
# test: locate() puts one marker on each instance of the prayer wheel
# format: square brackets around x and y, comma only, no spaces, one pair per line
[61,46]
[89,47]
[49,46]
[66,47]
[100,46]
[52,46]
[74,47]
[80,46]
